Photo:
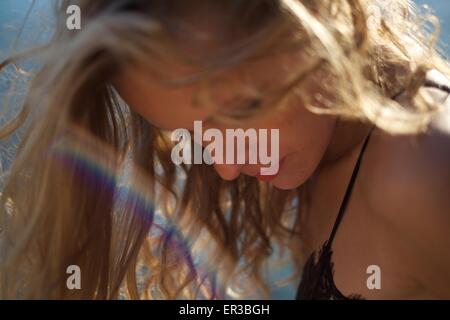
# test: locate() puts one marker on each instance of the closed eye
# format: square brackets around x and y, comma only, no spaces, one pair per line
[244,107]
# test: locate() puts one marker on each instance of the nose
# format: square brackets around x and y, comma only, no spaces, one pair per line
[228,171]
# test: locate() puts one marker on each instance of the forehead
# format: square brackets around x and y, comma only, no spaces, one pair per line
[171,107]
[163,106]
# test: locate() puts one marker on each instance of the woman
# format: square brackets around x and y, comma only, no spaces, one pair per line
[357,91]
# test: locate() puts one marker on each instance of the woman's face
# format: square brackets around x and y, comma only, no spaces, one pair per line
[304,136]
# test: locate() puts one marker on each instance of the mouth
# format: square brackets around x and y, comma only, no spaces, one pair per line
[268,178]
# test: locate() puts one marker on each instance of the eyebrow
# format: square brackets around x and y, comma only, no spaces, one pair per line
[188,80]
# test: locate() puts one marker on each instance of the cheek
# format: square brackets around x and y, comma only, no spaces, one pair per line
[305,138]
[302,130]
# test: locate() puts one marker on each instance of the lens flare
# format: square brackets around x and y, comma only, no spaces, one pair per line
[104,168]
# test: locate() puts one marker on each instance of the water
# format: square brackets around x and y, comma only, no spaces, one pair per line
[442,10]
[37,30]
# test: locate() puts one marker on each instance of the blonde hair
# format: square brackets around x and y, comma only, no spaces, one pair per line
[53,213]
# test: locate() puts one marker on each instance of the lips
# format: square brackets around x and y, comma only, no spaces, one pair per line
[268,178]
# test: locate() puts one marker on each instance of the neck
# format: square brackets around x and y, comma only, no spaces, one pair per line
[347,138]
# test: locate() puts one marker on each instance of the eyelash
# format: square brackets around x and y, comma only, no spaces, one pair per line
[248,105]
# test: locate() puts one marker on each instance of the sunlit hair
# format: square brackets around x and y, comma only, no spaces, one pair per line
[64,202]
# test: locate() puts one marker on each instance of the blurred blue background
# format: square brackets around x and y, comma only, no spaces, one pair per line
[37,30]
[12,13]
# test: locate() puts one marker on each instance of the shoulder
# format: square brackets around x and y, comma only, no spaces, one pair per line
[406,183]
[415,167]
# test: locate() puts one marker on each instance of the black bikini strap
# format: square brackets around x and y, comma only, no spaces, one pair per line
[434,84]
[349,190]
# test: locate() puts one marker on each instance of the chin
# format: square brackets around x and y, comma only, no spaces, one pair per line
[287,184]
[293,175]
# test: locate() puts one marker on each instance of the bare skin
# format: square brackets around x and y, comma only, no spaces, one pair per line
[398,217]
[399,214]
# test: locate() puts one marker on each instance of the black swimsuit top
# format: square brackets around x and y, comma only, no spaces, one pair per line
[317,277]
